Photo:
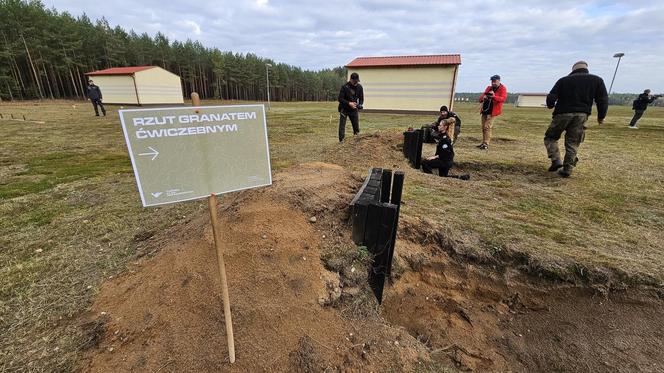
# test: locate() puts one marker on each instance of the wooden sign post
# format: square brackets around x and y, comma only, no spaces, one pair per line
[187,153]
[216,232]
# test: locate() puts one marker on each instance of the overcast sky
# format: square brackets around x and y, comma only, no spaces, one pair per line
[529,43]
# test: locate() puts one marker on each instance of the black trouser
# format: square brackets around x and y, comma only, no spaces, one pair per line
[354,120]
[97,102]
[637,115]
[442,166]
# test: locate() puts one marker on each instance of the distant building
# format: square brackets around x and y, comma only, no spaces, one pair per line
[407,83]
[531,100]
[139,85]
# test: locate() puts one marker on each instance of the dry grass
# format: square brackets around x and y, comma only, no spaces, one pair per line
[71,216]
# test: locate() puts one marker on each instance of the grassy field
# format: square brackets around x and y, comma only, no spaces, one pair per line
[71,214]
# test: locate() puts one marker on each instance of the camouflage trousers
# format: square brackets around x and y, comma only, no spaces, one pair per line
[573,124]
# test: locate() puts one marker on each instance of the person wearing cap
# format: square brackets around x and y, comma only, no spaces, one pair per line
[572,97]
[351,98]
[94,94]
[640,105]
[448,122]
[492,106]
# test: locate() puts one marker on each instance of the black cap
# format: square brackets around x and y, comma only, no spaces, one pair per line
[355,76]
[443,108]
[495,77]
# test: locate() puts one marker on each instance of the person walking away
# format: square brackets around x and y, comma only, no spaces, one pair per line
[351,99]
[94,94]
[492,106]
[443,160]
[573,96]
[640,105]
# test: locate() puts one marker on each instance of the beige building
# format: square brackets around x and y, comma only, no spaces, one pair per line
[531,100]
[407,83]
[139,85]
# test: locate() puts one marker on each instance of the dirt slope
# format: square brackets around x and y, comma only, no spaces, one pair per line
[167,314]
[291,313]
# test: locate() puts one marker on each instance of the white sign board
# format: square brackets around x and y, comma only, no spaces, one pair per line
[186,153]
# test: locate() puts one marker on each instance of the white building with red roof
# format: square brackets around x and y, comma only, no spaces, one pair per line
[138,85]
[407,83]
[531,100]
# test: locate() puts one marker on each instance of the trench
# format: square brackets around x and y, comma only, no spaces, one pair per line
[484,318]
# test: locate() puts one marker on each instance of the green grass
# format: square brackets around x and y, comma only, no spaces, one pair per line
[45,172]
[71,214]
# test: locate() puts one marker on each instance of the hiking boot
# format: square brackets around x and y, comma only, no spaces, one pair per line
[566,171]
[483,147]
[555,165]
[479,146]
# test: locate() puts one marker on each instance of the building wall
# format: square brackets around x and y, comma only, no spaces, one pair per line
[158,86]
[407,88]
[116,89]
[531,101]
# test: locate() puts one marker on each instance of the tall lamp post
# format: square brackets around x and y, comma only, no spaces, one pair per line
[618,56]
[267,77]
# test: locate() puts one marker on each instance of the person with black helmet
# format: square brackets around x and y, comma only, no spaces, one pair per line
[572,97]
[492,106]
[351,99]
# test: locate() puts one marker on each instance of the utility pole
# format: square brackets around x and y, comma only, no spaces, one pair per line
[618,56]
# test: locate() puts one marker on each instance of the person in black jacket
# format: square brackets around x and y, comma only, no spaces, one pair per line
[443,160]
[573,96]
[442,124]
[94,94]
[640,105]
[351,99]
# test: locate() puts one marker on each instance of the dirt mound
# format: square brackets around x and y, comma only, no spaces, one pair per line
[300,303]
[167,314]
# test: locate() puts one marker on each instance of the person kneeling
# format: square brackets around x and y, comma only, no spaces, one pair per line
[443,160]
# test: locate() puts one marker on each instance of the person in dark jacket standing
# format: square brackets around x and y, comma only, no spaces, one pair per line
[640,105]
[94,94]
[492,106]
[351,99]
[573,96]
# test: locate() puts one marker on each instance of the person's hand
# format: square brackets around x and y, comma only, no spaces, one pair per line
[353,105]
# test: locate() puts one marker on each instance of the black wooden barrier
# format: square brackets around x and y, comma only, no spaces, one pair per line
[412,147]
[427,134]
[375,219]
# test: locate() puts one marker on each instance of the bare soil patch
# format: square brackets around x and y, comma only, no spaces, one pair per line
[299,301]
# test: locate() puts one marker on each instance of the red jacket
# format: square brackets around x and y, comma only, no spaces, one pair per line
[498,98]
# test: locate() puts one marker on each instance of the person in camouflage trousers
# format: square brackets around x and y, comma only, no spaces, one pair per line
[573,96]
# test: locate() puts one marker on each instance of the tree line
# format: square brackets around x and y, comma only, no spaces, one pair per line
[45,54]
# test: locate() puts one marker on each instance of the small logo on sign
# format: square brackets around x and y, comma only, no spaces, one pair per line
[157,194]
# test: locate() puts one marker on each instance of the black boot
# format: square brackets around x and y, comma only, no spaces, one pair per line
[566,171]
[555,165]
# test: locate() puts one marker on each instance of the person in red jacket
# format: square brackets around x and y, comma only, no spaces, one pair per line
[492,106]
